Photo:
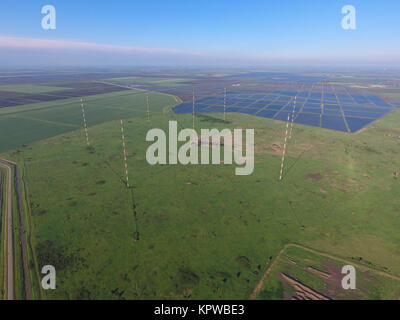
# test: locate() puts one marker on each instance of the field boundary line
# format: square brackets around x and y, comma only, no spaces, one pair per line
[177,99]
[48,121]
[63,102]
[257,289]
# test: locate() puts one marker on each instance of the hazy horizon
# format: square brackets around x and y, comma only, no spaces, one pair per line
[178,33]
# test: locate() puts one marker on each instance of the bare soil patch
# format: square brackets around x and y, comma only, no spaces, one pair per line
[314,176]
[303,292]
[276,147]
[318,272]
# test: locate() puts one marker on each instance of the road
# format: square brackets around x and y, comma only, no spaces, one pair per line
[10,260]
[6,163]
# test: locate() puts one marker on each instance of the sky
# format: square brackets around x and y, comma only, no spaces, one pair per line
[191,33]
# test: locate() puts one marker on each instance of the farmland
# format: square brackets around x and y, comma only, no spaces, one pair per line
[30,88]
[45,120]
[204,232]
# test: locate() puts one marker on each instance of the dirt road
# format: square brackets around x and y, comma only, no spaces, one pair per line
[6,163]
[10,257]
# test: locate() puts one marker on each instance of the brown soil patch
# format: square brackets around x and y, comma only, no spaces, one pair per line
[276,146]
[303,292]
[318,272]
[315,176]
[334,287]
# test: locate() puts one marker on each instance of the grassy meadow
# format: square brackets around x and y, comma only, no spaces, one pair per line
[204,232]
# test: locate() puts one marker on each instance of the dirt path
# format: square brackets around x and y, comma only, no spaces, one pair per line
[326,255]
[10,257]
[22,227]
[259,285]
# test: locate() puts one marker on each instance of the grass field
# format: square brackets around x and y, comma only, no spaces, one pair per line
[166,82]
[204,232]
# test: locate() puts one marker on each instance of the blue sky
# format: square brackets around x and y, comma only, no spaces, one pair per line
[200,32]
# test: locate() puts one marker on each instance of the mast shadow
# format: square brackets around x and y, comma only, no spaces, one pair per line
[293,164]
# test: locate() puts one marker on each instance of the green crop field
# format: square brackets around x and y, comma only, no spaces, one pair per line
[204,232]
[45,120]
[167,82]
[31,88]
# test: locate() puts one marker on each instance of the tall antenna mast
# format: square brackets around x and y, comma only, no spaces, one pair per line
[293,110]
[193,110]
[284,146]
[224,104]
[84,122]
[124,149]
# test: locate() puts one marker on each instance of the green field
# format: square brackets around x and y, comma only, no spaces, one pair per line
[204,232]
[45,120]
[28,88]
[165,82]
